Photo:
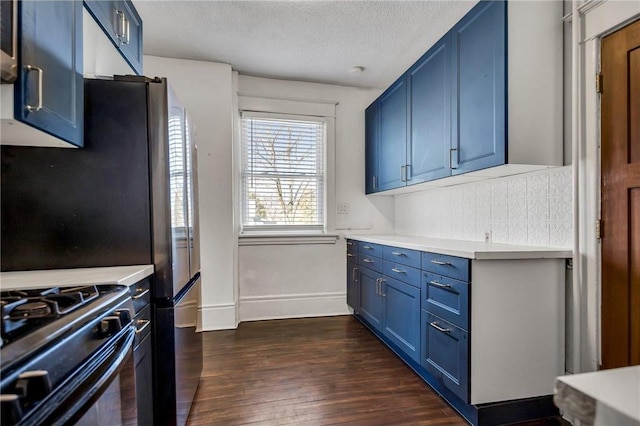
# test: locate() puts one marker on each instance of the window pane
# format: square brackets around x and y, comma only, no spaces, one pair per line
[283,172]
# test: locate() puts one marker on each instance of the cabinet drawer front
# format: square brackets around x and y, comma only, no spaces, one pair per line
[402,272]
[142,321]
[447,298]
[370,249]
[445,353]
[371,262]
[450,266]
[141,293]
[402,256]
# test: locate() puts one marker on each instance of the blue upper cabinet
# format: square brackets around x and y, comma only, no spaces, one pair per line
[392,106]
[429,82]
[372,140]
[121,23]
[49,91]
[479,135]
[458,116]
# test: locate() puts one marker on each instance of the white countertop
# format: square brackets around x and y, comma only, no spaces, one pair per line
[606,397]
[467,249]
[123,275]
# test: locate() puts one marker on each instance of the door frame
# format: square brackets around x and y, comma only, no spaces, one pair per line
[597,20]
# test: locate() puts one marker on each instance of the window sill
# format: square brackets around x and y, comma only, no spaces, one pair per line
[293,239]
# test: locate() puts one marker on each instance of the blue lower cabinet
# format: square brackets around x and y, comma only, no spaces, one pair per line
[353,290]
[370,300]
[402,315]
[445,353]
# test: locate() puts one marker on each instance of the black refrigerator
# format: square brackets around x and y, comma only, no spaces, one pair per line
[128,197]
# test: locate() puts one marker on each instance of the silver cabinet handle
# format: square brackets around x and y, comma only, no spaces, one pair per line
[353,274]
[440,329]
[367,261]
[403,173]
[349,243]
[407,173]
[397,253]
[145,323]
[451,163]
[140,294]
[377,286]
[437,284]
[382,293]
[367,247]
[126,32]
[439,262]
[398,271]
[38,106]
[350,255]
[122,24]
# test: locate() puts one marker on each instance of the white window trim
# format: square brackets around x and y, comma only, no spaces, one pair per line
[256,106]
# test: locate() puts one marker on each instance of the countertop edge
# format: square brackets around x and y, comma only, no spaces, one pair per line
[467,249]
[122,275]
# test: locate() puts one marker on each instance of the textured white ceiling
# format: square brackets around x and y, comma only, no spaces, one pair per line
[316,41]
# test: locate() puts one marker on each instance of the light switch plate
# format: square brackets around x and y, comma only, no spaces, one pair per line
[343,208]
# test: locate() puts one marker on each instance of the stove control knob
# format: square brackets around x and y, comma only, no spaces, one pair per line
[110,325]
[33,386]
[125,315]
[11,409]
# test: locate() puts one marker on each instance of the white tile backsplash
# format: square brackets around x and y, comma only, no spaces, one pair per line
[531,209]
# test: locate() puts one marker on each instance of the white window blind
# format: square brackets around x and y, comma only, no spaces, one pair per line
[283,173]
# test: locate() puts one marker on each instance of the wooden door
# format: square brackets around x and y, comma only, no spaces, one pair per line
[620,105]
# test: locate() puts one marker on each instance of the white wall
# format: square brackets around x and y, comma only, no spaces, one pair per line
[529,209]
[280,281]
[206,89]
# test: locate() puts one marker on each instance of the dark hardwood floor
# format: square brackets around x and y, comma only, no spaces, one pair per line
[311,371]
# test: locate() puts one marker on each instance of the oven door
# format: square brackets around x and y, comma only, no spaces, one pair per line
[103,392]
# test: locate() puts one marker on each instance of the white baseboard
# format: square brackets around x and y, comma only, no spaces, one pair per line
[280,306]
[218,317]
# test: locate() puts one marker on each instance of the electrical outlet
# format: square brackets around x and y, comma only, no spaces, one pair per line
[343,208]
[487,237]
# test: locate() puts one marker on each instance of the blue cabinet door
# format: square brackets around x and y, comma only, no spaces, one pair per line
[353,292]
[479,138]
[429,82]
[121,23]
[392,106]
[402,316]
[371,148]
[49,91]
[370,299]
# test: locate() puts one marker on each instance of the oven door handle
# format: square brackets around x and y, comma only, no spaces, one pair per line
[73,406]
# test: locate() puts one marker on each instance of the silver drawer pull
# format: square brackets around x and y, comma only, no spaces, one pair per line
[350,255]
[353,274]
[367,247]
[437,284]
[398,271]
[397,253]
[440,329]
[145,324]
[140,294]
[367,261]
[439,262]
[349,243]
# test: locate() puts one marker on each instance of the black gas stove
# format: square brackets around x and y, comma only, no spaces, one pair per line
[61,347]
